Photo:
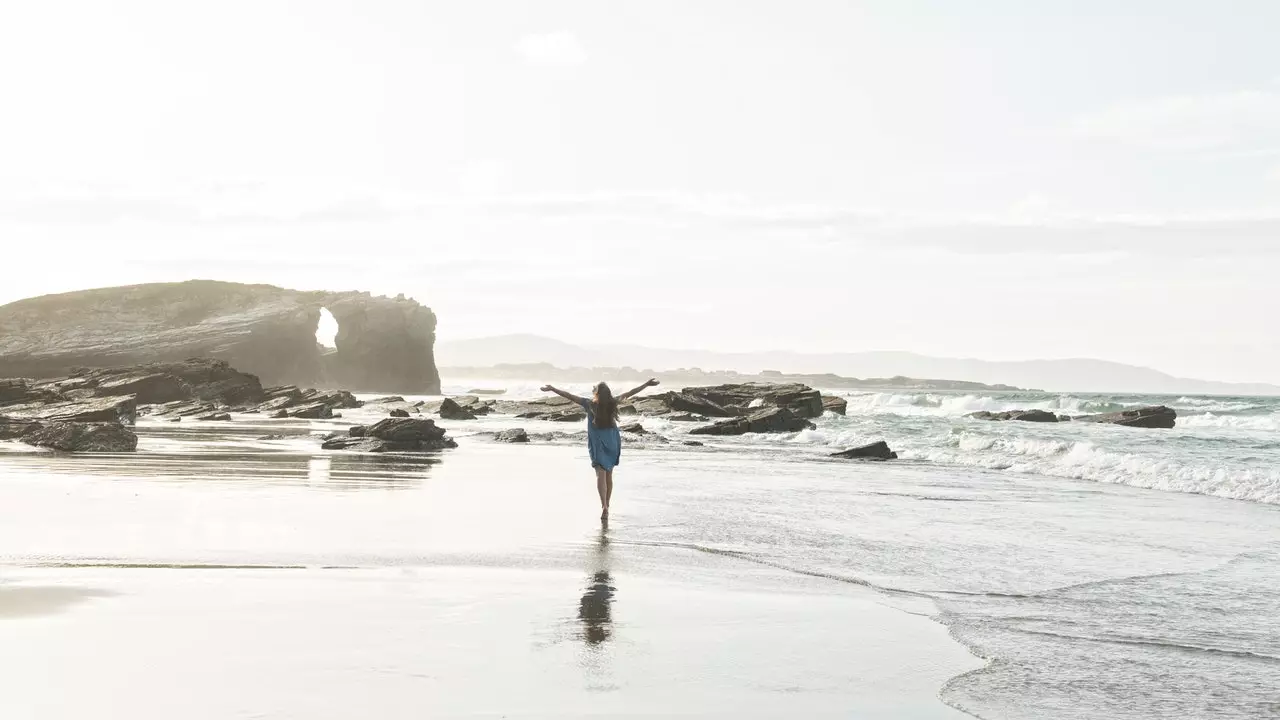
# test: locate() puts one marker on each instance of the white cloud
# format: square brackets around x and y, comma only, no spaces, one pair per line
[1189,122]
[559,48]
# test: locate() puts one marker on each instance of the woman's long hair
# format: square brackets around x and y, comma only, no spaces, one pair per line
[604,407]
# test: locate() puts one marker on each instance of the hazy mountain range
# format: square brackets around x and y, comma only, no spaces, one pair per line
[1080,375]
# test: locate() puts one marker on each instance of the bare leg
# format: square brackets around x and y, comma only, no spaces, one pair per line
[603,488]
[608,490]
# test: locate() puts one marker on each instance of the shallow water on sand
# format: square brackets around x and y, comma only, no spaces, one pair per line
[780,578]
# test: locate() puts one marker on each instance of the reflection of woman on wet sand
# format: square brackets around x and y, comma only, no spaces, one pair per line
[595,608]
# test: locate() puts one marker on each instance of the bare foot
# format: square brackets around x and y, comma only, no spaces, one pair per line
[604,514]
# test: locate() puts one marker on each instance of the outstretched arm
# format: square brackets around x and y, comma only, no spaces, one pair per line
[566,395]
[651,382]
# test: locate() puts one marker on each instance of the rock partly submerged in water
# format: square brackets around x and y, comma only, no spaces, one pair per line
[1022,415]
[107,437]
[393,435]
[835,404]
[514,435]
[1157,416]
[878,450]
[766,420]
[695,404]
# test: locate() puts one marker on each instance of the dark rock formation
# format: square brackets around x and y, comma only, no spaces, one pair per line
[399,412]
[766,420]
[12,429]
[476,406]
[1157,416]
[214,417]
[451,410]
[90,409]
[737,400]
[692,443]
[516,435]
[394,435]
[311,411]
[1023,415]
[633,428]
[289,401]
[385,400]
[878,450]
[835,404]
[486,391]
[687,405]
[554,409]
[382,343]
[109,437]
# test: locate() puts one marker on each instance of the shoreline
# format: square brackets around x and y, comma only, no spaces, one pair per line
[498,593]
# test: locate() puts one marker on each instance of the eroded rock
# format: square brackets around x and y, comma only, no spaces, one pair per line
[382,343]
[451,410]
[394,435]
[878,450]
[1021,415]
[835,404]
[765,420]
[110,437]
[515,435]
[1157,416]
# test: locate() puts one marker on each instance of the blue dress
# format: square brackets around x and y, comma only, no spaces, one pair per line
[604,444]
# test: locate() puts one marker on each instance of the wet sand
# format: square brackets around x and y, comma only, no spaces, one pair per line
[481,585]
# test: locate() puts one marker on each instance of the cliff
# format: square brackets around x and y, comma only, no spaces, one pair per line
[383,344]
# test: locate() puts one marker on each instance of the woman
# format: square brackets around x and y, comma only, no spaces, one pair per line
[604,443]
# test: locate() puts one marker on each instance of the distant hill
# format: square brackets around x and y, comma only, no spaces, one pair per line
[1080,375]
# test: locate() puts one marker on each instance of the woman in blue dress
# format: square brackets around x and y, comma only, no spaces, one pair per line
[604,442]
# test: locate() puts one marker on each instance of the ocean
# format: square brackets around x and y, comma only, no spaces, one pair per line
[1088,571]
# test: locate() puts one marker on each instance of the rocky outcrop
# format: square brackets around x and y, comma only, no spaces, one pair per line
[687,405]
[451,410]
[109,437]
[1157,416]
[90,409]
[393,435]
[878,450]
[291,401]
[382,343]
[515,435]
[743,399]
[1144,417]
[553,409]
[399,412]
[1022,415]
[767,420]
[835,404]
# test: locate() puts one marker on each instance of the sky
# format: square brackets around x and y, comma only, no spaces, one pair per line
[1004,180]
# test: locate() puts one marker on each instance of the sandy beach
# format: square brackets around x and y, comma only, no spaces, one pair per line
[299,591]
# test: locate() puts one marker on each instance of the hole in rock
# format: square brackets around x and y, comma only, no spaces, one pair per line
[327,329]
